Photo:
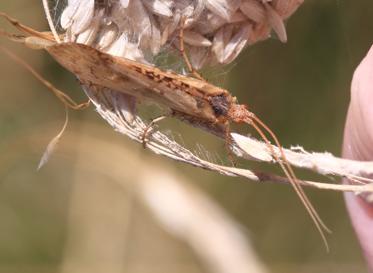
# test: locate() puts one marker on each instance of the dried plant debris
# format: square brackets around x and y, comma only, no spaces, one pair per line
[216,31]
[53,144]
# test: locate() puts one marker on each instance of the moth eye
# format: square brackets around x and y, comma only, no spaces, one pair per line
[220,105]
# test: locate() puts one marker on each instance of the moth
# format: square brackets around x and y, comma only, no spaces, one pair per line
[190,99]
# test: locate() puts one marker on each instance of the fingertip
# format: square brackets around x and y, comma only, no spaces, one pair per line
[358,145]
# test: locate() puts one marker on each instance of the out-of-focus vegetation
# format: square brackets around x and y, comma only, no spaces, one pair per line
[301,89]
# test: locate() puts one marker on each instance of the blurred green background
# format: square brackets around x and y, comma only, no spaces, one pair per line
[301,89]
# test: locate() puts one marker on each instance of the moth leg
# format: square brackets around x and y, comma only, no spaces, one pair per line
[183,53]
[62,96]
[228,142]
[25,29]
[149,128]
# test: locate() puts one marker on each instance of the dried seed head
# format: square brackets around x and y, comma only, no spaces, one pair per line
[216,31]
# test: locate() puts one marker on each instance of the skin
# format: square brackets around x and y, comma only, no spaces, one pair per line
[358,145]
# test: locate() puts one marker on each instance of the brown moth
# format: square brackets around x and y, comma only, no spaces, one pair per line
[189,99]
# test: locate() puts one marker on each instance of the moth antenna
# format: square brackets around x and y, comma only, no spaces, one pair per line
[289,173]
[274,137]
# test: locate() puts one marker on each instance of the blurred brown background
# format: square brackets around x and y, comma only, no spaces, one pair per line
[301,89]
